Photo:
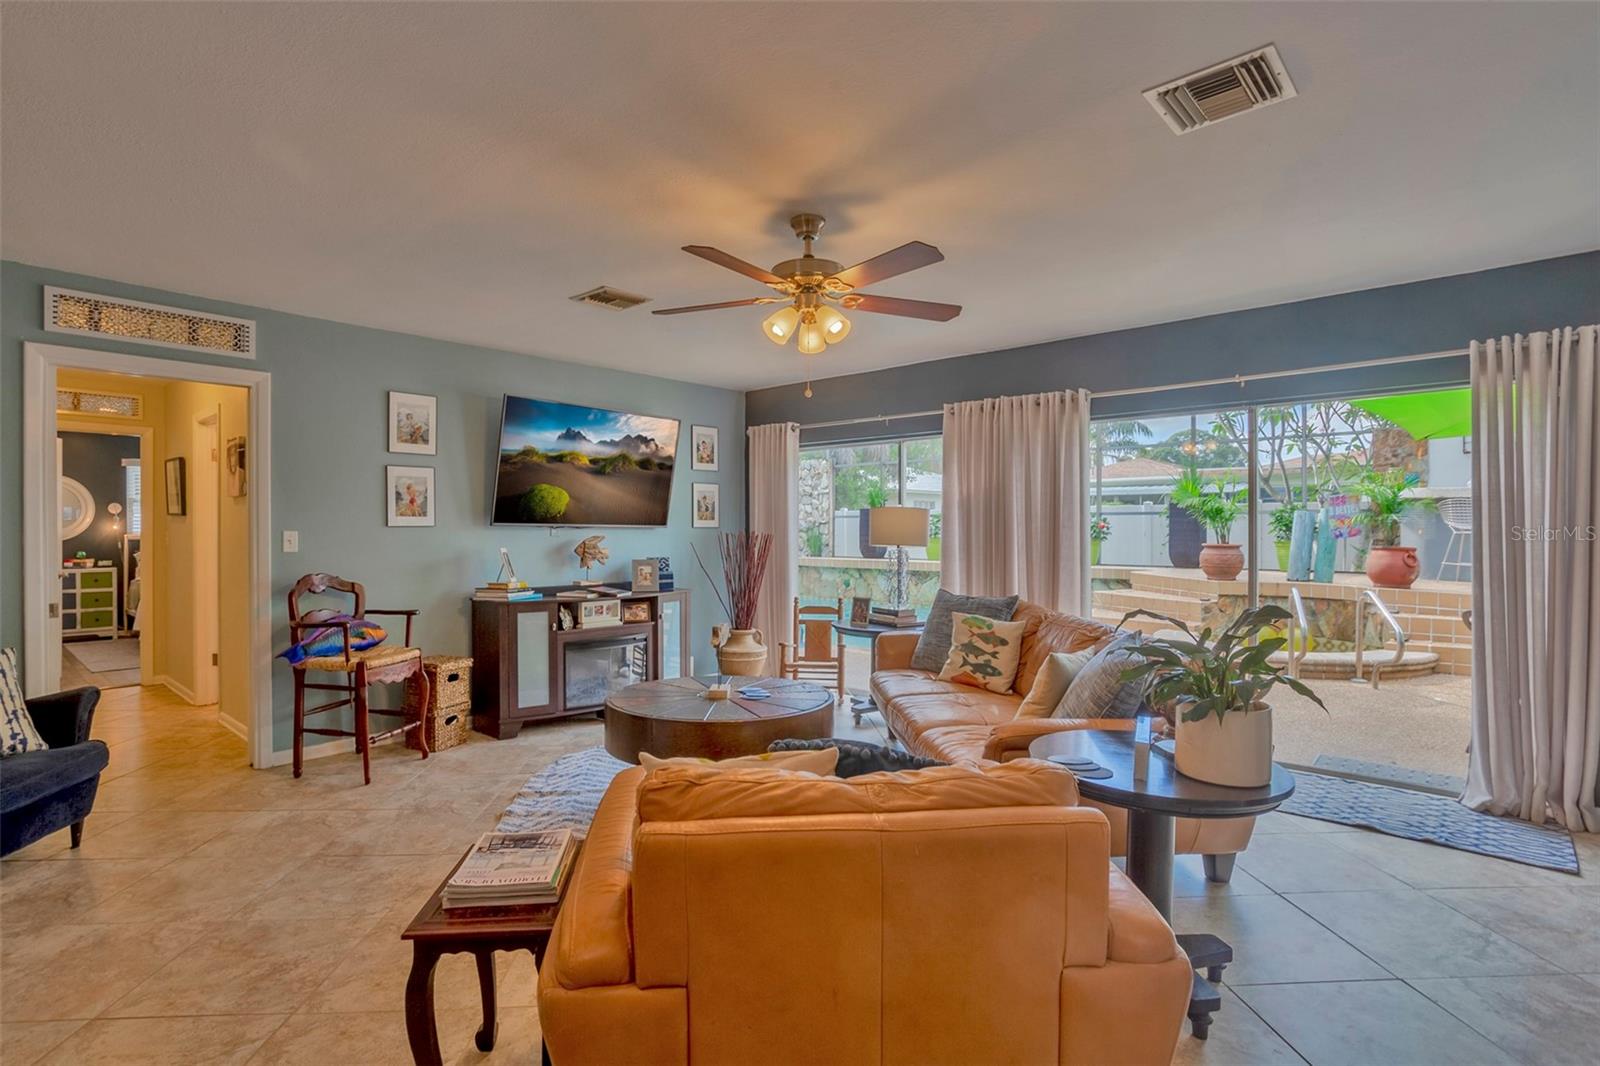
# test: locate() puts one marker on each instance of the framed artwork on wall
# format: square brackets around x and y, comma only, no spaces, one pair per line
[177,502]
[412,421]
[707,506]
[410,495]
[703,447]
[235,466]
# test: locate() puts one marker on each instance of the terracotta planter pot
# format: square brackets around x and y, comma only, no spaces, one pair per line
[1392,568]
[743,654]
[1235,750]
[1222,562]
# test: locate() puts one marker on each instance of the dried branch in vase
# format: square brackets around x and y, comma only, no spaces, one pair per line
[744,564]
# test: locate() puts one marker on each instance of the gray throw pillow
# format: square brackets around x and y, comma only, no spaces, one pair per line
[1098,690]
[933,647]
[857,757]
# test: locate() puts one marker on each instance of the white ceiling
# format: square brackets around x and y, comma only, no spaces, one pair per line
[459,170]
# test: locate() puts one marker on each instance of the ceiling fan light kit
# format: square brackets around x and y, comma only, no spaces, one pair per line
[813,290]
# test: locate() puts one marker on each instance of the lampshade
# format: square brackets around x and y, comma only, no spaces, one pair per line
[835,327]
[898,527]
[781,324]
[811,336]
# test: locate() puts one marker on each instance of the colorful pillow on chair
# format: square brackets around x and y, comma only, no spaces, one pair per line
[314,643]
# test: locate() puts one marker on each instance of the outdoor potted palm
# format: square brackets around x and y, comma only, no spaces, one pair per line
[1217,689]
[1099,533]
[1282,525]
[1389,564]
[1216,509]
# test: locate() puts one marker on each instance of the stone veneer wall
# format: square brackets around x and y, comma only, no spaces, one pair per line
[816,500]
[828,579]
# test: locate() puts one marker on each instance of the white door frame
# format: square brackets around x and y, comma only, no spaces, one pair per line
[41,509]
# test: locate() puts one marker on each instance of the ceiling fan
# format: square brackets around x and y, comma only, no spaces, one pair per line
[810,288]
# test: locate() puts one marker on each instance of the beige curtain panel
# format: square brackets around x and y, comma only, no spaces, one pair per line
[1536,578]
[1016,498]
[774,495]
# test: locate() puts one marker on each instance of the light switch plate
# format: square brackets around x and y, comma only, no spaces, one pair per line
[291,540]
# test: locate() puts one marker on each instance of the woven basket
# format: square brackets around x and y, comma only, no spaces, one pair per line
[448,717]
[445,729]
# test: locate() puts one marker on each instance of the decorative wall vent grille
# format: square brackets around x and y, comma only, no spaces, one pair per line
[612,299]
[111,404]
[68,311]
[1243,83]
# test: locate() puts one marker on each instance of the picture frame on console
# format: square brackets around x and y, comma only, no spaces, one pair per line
[646,575]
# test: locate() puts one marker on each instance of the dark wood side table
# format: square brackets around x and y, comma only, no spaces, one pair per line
[860,705]
[476,931]
[674,718]
[1152,804]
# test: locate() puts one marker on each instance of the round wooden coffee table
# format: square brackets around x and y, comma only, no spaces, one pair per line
[673,718]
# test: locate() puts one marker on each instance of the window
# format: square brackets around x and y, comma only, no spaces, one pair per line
[133,490]
[838,486]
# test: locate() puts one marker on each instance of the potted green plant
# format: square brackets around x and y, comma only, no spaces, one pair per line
[1185,534]
[1389,564]
[1282,525]
[1099,533]
[935,535]
[1216,509]
[877,496]
[1217,688]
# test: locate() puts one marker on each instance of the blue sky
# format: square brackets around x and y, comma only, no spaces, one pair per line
[539,422]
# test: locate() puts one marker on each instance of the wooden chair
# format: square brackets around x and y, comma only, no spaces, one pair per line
[817,653]
[383,663]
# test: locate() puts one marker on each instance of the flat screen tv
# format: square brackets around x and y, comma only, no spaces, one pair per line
[562,464]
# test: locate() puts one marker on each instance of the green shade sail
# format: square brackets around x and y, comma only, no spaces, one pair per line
[1425,415]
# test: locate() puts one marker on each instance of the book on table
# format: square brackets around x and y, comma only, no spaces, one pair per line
[511,870]
[886,617]
[505,595]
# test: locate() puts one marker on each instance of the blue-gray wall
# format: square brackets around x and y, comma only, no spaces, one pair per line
[1423,316]
[330,385]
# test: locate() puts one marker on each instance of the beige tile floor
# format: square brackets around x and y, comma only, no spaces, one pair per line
[217,914]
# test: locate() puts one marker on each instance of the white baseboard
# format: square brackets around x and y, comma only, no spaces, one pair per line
[233,726]
[336,746]
[182,692]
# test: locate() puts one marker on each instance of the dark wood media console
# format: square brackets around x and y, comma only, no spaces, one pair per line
[520,657]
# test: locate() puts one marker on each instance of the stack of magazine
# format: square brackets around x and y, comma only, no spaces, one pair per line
[506,592]
[512,870]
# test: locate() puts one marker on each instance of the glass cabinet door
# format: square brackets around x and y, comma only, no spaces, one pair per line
[674,635]
[533,661]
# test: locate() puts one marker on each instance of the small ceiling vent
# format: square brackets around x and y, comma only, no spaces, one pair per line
[1243,83]
[613,299]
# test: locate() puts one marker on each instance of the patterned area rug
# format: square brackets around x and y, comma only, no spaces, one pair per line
[564,795]
[1436,819]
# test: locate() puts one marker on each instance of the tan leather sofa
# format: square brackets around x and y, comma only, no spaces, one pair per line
[955,915]
[962,724]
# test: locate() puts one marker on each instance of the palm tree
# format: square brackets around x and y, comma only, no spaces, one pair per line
[1116,440]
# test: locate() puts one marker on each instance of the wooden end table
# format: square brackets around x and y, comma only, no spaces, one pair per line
[860,705]
[479,932]
[1152,804]
[674,718]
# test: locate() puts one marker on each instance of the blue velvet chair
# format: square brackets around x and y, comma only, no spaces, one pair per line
[43,791]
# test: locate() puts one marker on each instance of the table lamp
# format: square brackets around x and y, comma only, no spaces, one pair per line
[899,528]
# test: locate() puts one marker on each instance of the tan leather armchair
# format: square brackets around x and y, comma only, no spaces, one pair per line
[954,915]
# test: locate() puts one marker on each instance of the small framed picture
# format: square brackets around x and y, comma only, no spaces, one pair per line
[707,506]
[646,576]
[597,614]
[703,447]
[410,495]
[635,611]
[860,610]
[177,483]
[412,421]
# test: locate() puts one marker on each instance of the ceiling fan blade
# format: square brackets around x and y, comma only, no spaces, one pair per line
[713,307]
[893,305]
[896,261]
[733,262]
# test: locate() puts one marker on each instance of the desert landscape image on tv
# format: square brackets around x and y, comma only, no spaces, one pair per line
[566,464]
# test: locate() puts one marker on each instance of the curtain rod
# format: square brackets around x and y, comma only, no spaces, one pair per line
[1236,379]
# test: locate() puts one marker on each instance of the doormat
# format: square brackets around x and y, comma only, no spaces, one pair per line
[1400,812]
[104,656]
[564,795]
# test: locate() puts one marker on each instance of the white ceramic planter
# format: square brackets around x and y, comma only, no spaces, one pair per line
[1234,751]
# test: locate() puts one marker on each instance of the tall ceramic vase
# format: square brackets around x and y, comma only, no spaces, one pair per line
[1235,750]
[742,654]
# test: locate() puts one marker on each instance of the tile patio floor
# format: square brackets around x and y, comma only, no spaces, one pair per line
[217,914]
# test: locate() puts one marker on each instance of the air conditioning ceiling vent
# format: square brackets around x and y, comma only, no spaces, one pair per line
[1243,83]
[613,299]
